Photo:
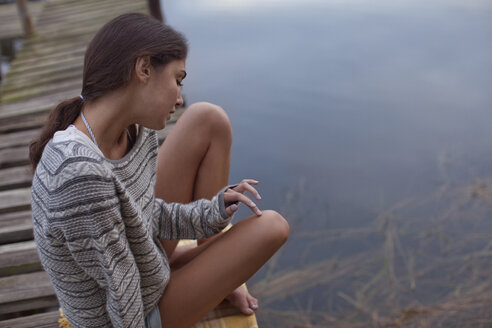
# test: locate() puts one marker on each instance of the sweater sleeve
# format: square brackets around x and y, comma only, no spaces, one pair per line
[97,237]
[200,219]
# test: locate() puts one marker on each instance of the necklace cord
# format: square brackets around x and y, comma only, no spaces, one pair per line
[89,128]
[94,138]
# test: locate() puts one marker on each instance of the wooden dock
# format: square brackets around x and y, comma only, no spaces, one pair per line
[47,70]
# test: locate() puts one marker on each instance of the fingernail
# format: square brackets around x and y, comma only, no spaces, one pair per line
[250,311]
[234,207]
[252,204]
[258,196]
[254,306]
[258,212]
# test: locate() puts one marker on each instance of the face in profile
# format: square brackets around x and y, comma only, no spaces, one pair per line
[163,93]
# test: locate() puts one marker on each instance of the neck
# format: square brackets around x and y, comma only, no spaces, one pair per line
[108,122]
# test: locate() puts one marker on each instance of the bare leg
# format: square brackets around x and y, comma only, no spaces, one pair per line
[193,163]
[200,285]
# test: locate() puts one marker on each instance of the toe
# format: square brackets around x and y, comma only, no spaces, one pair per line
[242,300]
[243,305]
[253,302]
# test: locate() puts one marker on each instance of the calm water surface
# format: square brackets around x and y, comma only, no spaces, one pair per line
[344,110]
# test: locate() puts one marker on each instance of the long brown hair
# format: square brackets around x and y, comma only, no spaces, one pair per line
[109,63]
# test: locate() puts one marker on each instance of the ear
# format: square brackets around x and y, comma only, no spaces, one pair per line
[143,68]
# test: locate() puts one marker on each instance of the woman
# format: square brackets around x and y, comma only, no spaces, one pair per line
[98,220]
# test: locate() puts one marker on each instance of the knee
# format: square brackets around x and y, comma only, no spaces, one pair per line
[213,118]
[277,227]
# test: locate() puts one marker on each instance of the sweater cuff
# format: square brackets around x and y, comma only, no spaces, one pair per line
[222,207]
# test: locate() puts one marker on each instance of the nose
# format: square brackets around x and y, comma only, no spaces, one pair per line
[179,101]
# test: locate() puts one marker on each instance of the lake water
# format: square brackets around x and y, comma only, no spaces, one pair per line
[368,124]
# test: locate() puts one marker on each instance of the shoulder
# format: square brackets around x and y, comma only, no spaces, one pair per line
[70,157]
[67,167]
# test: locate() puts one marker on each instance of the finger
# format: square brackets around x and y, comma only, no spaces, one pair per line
[231,196]
[252,181]
[252,191]
[247,181]
[231,209]
[248,202]
[245,186]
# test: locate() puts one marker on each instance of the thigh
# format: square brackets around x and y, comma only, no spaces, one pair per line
[179,158]
[193,161]
[200,285]
[177,162]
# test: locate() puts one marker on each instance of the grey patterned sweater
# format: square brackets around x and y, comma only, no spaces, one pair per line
[97,227]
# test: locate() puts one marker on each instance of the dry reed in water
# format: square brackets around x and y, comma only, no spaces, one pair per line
[428,264]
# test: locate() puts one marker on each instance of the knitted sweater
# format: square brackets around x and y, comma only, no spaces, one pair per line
[97,227]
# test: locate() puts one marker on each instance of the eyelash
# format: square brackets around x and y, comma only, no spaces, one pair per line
[179,83]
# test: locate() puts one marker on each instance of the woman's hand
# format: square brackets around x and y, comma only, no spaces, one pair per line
[234,196]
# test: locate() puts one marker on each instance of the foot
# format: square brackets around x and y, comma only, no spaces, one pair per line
[241,299]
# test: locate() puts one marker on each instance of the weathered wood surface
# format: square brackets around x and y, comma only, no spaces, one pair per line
[19,123]
[15,177]
[16,139]
[45,72]
[15,200]
[10,22]
[13,157]
[26,292]
[15,226]
[42,320]
[20,257]
[64,26]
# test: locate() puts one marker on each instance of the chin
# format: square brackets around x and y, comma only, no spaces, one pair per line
[159,127]
[155,125]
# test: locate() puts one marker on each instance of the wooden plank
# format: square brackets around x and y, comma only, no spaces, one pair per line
[15,177]
[50,319]
[41,320]
[41,69]
[11,157]
[19,123]
[20,257]
[19,138]
[40,49]
[95,17]
[65,9]
[15,227]
[41,90]
[15,200]
[75,6]
[81,24]
[9,219]
[85,10]
[26,292]
[39,105]
[59,55]
[43,81]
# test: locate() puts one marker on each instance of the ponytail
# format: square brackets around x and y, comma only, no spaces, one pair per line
[59,119]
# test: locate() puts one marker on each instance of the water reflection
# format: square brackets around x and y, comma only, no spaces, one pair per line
[379,112]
